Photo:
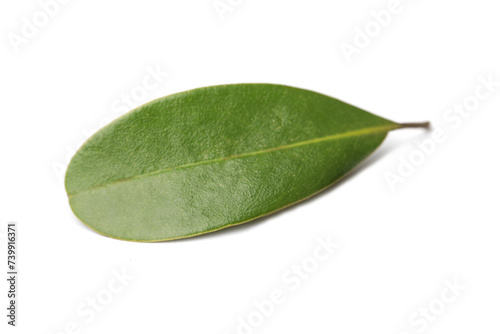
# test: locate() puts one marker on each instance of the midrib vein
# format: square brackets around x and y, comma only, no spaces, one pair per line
[361,132]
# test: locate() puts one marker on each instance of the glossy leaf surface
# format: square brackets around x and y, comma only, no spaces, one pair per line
[206,159]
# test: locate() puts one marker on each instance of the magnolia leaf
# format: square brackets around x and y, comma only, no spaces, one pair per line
[214,157]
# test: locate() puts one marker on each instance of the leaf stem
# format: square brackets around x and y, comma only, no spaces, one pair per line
[424,125]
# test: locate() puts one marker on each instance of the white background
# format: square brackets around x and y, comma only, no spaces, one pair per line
[397,247]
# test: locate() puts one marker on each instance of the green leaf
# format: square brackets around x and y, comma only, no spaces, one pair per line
[209,158]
